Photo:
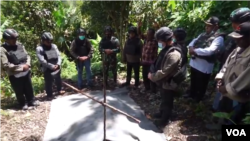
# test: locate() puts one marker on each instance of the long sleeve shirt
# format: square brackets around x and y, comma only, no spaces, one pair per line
[201,64]
[235,75]
[45,64]
[10,68]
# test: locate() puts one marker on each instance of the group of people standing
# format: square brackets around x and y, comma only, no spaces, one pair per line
[162,72]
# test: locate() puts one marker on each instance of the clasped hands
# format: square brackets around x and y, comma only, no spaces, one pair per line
[191,51]
[220,87]
[108,51]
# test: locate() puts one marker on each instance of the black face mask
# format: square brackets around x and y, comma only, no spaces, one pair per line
[11,47]
[46,47]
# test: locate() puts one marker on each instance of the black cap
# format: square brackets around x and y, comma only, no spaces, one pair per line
[132,29]
[164,33]
[81,31]
[213,21]
[242,30]
[240,15]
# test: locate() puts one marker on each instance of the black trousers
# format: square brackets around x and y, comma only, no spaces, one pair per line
[167,103]
[148,84]
[49,79]
[199,83]
[23,89]
[136,68]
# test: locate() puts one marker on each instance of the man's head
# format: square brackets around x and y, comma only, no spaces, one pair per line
[10,36]
[164,37]
[47,38]
[242,35]
[132,31]
[239,16]
[108,31]
[150,34]
[179,34]
[81,33]
[212,24]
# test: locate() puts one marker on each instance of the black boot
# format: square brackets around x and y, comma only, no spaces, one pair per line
[157,115]
[164,120]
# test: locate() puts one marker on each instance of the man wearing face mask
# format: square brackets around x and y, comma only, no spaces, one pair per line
[166,72]
[132,56]
[235,82]
[16,62]
[50,60]
[204,50]
[109,46]
[82,50]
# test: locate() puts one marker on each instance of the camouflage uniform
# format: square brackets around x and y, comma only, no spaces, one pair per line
[110,61]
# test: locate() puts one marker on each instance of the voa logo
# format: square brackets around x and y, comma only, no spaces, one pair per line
[236,132]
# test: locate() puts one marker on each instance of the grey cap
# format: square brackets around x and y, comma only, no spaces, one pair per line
[164,34]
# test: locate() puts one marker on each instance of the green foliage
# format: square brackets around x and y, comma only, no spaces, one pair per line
[223,115]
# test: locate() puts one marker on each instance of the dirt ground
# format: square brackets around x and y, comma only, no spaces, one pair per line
[187,123]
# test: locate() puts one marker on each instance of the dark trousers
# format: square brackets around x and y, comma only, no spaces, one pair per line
[23,88]
[148,84]
[136,68]
[199,83]
[49,79]
[167,103]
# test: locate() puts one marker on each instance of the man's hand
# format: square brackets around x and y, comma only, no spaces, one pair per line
[25,67]
[149,76]
[219,83]
[56,67]
[191,51]
[108,51]
[222,89]
[83,58]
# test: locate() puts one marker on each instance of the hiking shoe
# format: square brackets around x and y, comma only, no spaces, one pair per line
[34,103]
[61,92]
[25,107]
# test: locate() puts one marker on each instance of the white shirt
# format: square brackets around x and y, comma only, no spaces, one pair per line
[201,64]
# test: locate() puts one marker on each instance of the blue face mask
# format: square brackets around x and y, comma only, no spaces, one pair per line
[174,40]
[160,45]
[81,37]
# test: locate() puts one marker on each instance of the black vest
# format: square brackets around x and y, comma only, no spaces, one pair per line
[106,43]
[50,54]
[82,48]
[184,51]
[132,46]
[16,54]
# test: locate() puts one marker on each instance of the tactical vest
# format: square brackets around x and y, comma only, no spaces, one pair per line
[205,40]
[50,55]
[82,48]
[107,43]
[16,54]
[132,47]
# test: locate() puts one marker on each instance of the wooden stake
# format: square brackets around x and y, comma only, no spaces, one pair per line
[104,104]
[104,97]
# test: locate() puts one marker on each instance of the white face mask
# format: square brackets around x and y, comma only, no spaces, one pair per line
[160,45]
